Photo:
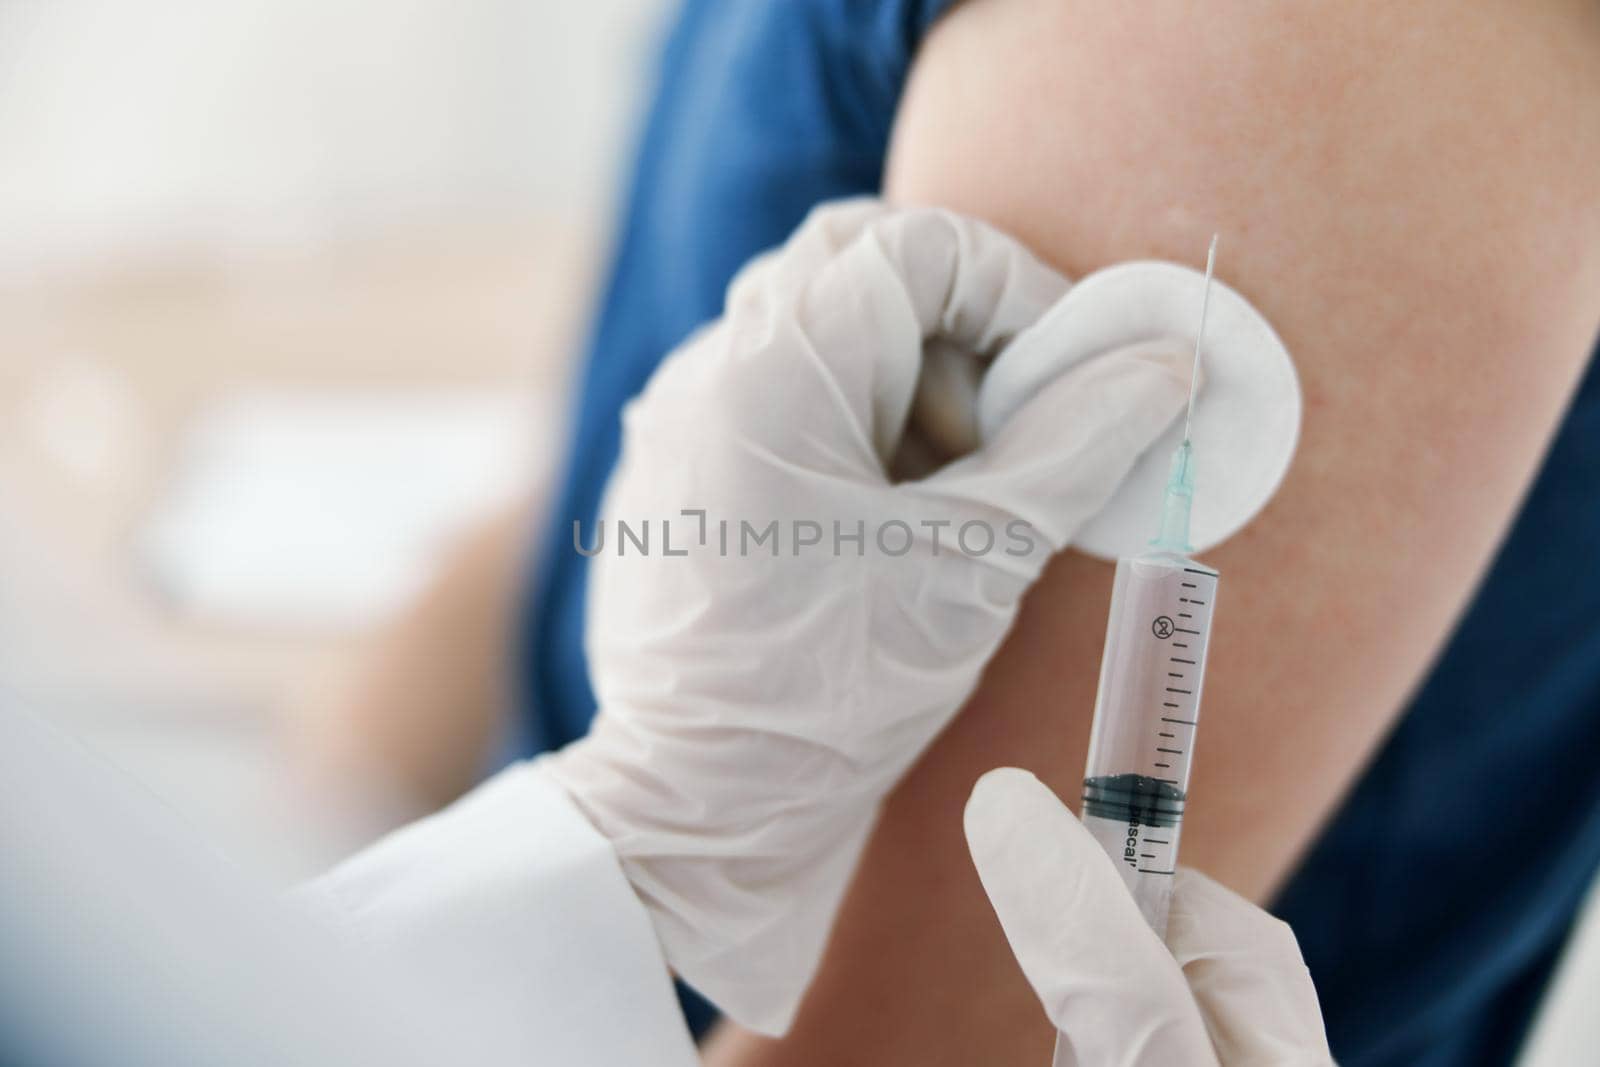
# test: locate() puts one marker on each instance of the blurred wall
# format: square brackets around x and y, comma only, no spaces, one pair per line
[124,126]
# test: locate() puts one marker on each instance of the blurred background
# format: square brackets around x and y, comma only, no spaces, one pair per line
[289,293]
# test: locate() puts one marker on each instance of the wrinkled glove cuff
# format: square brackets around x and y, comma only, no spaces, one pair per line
[743,913]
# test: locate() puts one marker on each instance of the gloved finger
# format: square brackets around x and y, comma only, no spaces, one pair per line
[1106,981]
[827,230]
[1245,971]
[829,348]
[1056,463]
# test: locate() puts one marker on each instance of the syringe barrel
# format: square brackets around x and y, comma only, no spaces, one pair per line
[1145,717]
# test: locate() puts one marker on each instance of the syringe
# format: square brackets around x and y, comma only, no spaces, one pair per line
[1151,675]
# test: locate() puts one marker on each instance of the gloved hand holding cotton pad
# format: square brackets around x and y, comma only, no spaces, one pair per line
[1245,427]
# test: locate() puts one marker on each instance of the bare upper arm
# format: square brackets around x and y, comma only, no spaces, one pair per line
[1412,194]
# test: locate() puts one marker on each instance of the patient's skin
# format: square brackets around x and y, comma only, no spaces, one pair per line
[1411,193]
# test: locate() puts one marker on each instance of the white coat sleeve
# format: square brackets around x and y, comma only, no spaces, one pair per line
[125,940]
[517,908]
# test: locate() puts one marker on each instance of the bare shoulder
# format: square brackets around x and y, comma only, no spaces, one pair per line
[1330,135]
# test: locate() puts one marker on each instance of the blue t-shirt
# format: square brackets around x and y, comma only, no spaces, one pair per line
[1433,906]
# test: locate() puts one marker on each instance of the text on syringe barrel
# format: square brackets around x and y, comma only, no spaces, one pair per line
[1146,715]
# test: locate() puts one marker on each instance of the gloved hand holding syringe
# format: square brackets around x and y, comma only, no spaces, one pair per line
[1235,441]
[1151,674]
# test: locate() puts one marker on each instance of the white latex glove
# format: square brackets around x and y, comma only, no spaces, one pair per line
[755,709]
[1228,988]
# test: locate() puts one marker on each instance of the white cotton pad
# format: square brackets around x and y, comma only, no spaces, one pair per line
[1246,417]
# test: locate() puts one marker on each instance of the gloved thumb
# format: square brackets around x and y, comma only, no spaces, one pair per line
[1245,970]
[1056,462]
[1106,981]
